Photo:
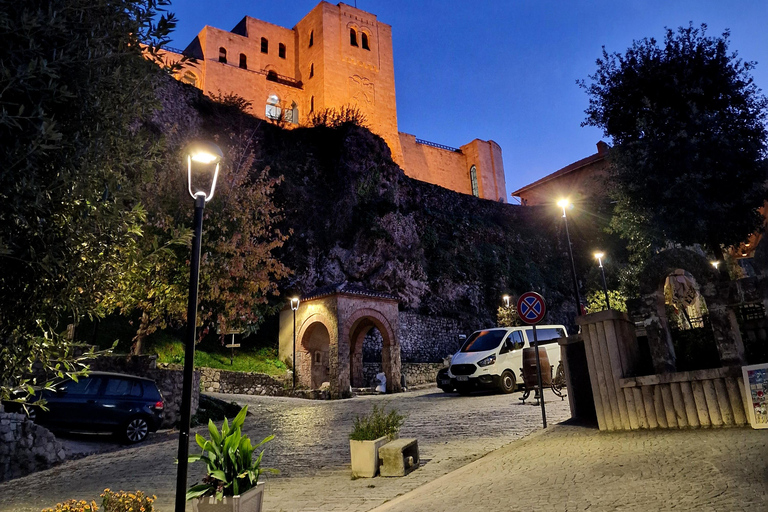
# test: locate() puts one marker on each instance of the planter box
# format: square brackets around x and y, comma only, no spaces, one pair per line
[365,456]
[249,501]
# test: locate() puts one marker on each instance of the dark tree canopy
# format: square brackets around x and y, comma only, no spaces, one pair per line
[689,134]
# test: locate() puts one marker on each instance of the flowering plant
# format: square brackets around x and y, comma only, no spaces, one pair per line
[74,506]
[122,501]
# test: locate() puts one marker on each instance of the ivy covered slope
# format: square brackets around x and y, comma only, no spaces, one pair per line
[352,215]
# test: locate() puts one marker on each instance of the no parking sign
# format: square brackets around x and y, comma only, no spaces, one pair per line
[531,308]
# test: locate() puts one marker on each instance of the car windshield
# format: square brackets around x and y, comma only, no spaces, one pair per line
[481,341]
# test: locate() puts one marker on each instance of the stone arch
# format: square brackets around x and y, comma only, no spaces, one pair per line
[313,336]
[357,325]
[711,282]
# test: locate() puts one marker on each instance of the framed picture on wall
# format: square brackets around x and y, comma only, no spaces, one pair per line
[756,386]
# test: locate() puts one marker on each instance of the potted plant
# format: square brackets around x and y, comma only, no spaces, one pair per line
[371,432]
[232,483]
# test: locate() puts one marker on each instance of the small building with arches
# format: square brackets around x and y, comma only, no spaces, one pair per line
[337,56]
[331,326]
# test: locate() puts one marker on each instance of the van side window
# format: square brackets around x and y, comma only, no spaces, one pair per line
[545,335]
[517,340]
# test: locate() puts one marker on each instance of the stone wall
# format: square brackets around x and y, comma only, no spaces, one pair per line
[25,447]
[428,339]
[247,383]
[169,379]
[415,373]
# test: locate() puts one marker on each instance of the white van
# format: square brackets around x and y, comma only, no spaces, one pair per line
[493,358]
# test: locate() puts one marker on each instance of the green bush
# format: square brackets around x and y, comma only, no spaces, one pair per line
[378,423]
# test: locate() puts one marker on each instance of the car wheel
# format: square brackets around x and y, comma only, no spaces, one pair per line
[135,430]
[507,383]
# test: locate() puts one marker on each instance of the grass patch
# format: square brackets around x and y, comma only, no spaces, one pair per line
[261,360]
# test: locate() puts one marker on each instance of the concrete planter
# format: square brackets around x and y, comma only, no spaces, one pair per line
[365,456]
[250,501]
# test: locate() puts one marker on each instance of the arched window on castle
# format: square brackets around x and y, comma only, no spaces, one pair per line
[281,50]
[243,61]
[273,110]
[311,70]
[312,104]
[473,181]
[352,37]
[223,55]
[311,38]
[292,115]
[364,41]
[189,78]
[264,45]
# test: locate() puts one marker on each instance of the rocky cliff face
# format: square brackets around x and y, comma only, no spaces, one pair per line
[356,217]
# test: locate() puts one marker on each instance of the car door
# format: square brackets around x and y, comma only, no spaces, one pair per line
[120,400]
[515,357]
[73,404]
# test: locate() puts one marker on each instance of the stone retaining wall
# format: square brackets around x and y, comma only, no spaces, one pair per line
[214,380]
[169,379]
[26,447]
[428,339]
[415,373]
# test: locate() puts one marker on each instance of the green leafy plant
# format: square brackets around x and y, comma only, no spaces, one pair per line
[232,469]
[378,423]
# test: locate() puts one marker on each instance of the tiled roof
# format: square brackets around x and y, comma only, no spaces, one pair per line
[348,289]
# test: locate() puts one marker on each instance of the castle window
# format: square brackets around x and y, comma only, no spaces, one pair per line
[264,45]
[311,70]
[312,104]
[352,37]
[364,40]
[243,61]
[272,76]
[223,55]
[281,51]
[189,78]
[473,181]
[292,115]
[311,38]
[273,110]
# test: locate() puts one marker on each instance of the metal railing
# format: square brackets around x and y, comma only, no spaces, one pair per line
[438,146]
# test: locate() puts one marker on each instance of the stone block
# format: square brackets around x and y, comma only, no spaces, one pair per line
[399,457]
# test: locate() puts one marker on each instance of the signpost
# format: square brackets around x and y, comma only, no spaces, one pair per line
[232,345]
[531,310]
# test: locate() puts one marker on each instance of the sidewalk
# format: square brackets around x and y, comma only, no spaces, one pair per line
[571,468]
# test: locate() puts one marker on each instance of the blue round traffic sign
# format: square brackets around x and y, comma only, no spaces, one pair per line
[531,308]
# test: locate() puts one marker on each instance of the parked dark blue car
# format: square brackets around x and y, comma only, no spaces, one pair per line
[129,406]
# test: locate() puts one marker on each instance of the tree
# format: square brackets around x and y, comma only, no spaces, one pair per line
[689,134]
[507,316]
[74,81]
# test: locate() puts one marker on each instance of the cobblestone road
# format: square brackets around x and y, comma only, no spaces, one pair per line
[310,449]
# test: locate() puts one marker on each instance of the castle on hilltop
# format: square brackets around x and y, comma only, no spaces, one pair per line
[337,56]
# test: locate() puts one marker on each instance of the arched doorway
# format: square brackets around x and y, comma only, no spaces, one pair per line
[372,350]
[316,346]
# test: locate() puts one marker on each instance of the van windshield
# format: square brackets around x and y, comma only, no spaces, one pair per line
[481,341]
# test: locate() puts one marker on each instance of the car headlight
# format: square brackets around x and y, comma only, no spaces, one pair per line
[488,361]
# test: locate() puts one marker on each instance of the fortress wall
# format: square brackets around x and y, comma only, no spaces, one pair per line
[442,167]
[486,156]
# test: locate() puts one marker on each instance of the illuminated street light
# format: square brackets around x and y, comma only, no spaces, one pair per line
[715,264]
[294,307]
[203,159]
[599,256]
[506,301]
[564,203]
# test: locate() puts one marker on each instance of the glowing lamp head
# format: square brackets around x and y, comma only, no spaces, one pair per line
[203,160]
[563,203]
[599,255]
[715,264]
[506,298]
[295,303]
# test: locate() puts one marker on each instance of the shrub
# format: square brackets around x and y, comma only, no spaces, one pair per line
[378,423]
[122,501]
[73,506]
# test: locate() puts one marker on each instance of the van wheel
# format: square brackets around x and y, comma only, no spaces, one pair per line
[507,383]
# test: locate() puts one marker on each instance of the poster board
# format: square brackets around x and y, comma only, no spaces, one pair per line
[756,386]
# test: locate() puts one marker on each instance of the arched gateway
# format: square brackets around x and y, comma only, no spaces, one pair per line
[331,324]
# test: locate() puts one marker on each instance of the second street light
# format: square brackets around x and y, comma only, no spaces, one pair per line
[203,159]
[294,307]
[564,203]
[599,256]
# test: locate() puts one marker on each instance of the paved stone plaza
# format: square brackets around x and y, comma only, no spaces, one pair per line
[310,449]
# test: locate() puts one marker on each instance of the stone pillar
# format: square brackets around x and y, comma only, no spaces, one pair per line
[611,349]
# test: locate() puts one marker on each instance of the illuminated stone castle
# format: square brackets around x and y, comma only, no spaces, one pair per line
[337,56]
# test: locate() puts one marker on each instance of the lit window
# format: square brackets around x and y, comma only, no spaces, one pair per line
[223,55]
[189,78]
[311,38]
[264,45]
[364,40]
[311,70]
[243,61]
[473,180]
[352,37]
[281,50]
[292,115]
[273,110]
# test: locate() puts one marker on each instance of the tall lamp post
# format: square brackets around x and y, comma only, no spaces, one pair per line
[294,307]
[599,256]
[203,159]
[564,203]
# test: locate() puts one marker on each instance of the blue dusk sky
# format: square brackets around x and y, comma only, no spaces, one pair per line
[506,70]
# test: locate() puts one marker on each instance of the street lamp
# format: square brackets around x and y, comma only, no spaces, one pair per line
[564,203]
[599,256]
[203,159]
[715,264]
[506,301]
[294,307]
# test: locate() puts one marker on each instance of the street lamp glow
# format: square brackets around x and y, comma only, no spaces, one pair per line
[563,203]
[506,300]
[203,174]
[599,256]
[295,303]
[715,264]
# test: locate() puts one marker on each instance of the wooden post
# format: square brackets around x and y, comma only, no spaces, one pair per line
[712,406]
[637,396]
[650,410]
[669,406]
[690,404]
[734,396]
[701,403]
[723,403]
[679,405]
